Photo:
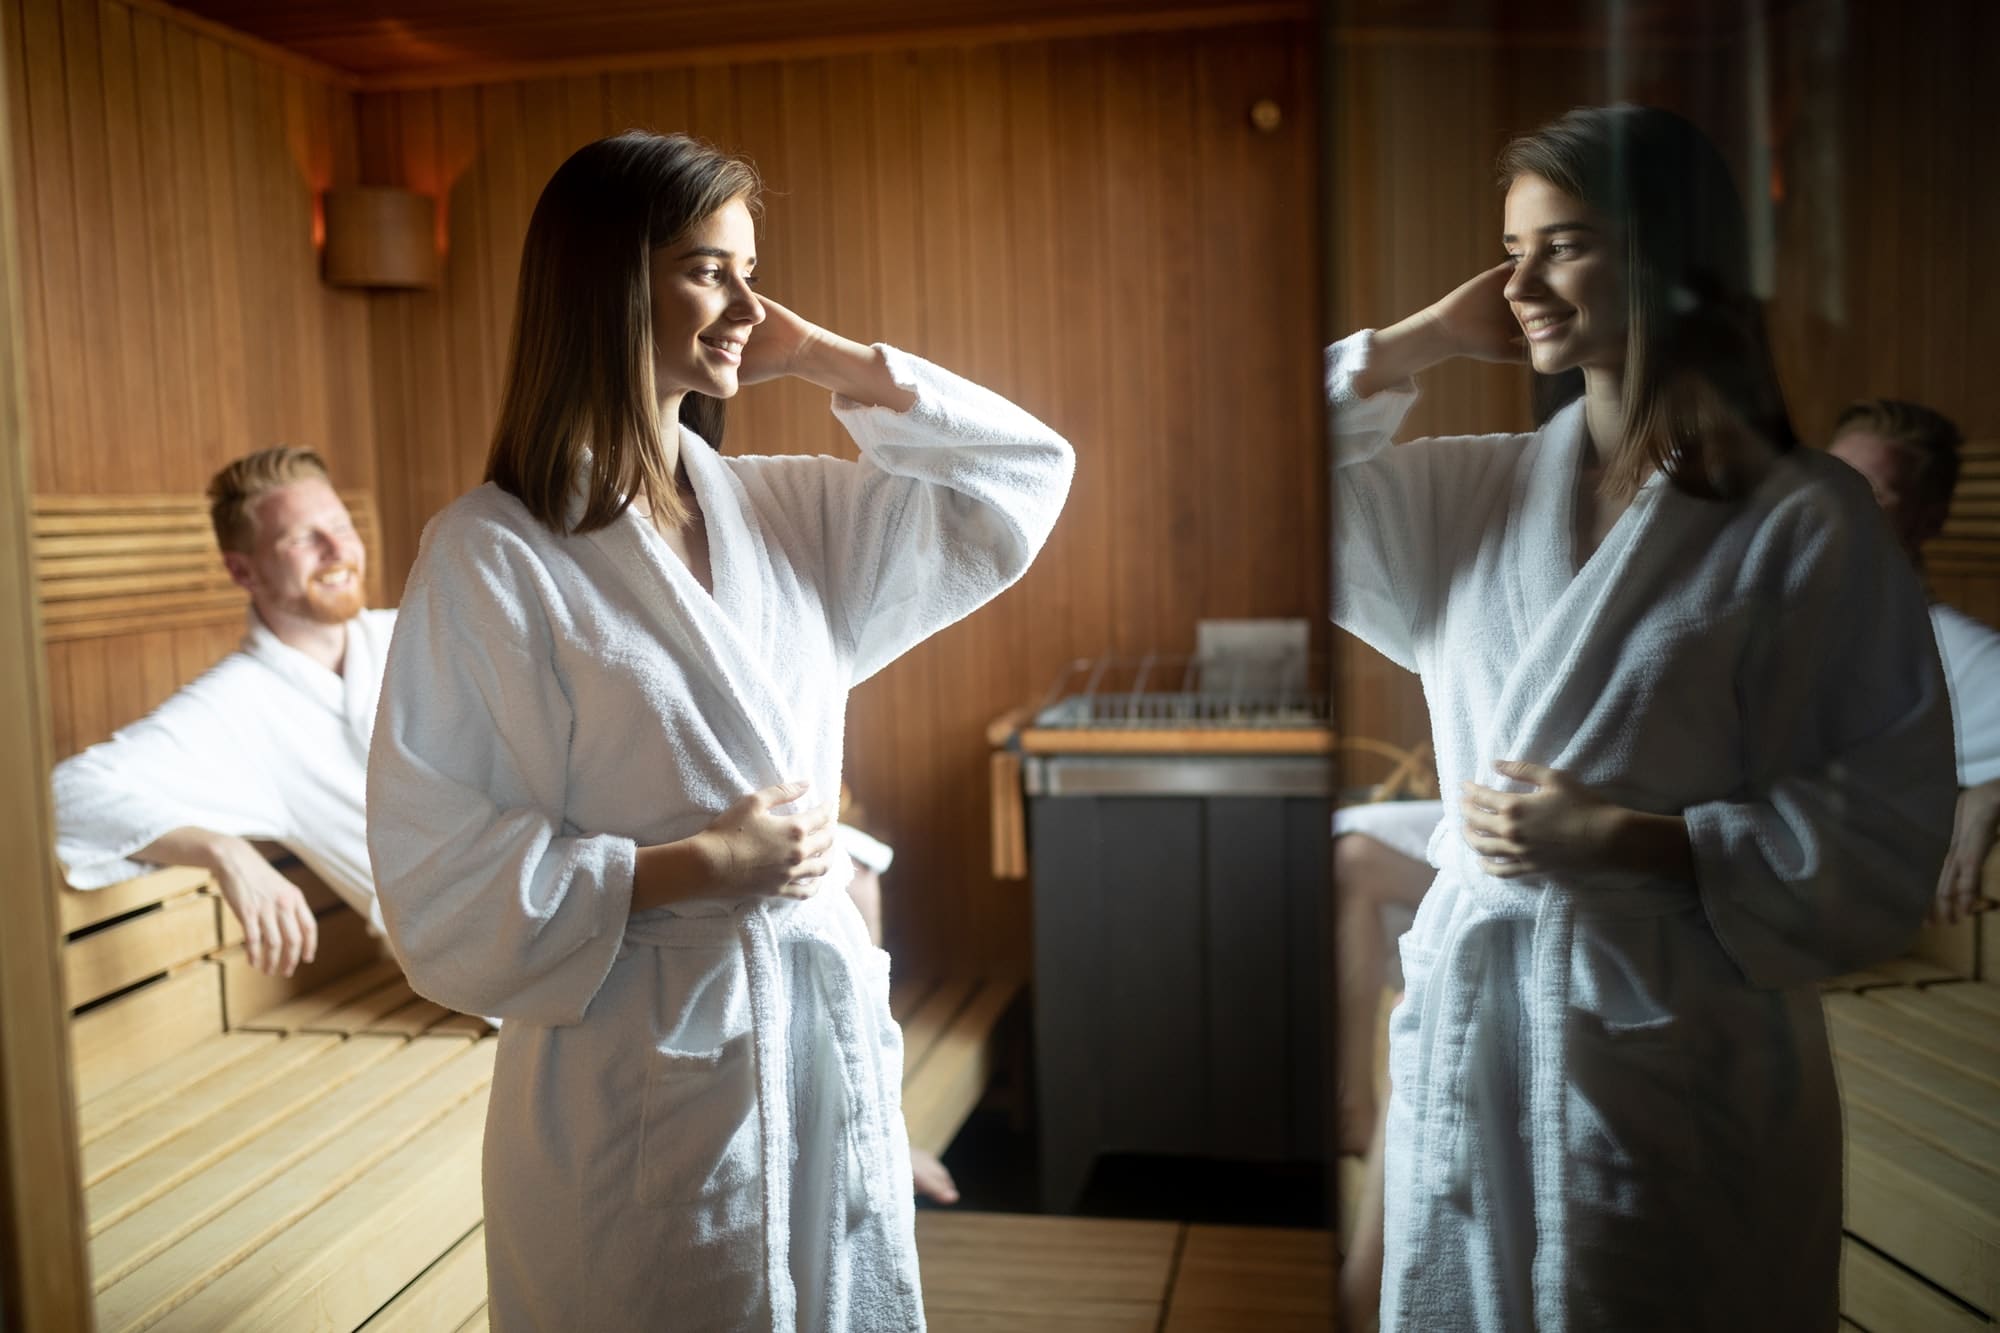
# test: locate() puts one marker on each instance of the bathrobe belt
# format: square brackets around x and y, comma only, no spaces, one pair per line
[1457,1007]
[761,928]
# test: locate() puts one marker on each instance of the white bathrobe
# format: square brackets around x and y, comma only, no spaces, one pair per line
[1613,1105]
[695,1119]
[267,743]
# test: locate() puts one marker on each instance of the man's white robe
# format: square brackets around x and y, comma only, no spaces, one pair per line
[265,744]
[695,1119]
[1613,1106]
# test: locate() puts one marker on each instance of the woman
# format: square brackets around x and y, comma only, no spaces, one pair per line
[616,664]
[1686,690]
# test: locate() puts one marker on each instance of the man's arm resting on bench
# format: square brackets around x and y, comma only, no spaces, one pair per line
[279,931]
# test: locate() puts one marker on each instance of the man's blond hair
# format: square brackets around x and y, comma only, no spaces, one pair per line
[233,491]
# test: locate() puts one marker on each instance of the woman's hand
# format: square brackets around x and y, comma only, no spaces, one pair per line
[777,345]
[1475,320]
[1472,320]
[1563,826]
[751,850]
[785,344]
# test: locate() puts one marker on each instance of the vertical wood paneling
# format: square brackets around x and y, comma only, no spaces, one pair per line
[95,224]
[177,450]
[1892,142]
[138,450]
[166,189]
[49,249]
[1091,227]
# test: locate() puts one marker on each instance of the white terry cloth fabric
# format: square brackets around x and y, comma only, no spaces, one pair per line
[1401,826]
[863,849]
[1613,1104]
[265,744]
[1971,654]
[695,1118]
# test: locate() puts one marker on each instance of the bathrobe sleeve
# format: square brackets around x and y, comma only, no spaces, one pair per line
[1828,860]
[949,504]
[185,765]
[493,904]
[1397,509]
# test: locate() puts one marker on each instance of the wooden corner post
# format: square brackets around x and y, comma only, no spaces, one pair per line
[44,1267]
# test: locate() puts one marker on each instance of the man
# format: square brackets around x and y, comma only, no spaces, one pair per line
[1910,456]
[271,742]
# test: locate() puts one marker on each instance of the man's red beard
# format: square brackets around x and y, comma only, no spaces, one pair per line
[334,606]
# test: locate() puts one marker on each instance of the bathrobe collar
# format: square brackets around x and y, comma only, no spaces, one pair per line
[349,694]
[1555,599]
[713,634]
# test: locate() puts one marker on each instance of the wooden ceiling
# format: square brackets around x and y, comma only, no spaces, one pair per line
[389,43]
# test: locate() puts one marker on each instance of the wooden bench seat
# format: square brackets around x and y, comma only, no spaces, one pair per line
[299,1181]
[948,1051]
[1919,1068]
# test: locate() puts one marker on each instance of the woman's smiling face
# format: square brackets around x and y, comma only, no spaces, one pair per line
[703,305]
[1568,285]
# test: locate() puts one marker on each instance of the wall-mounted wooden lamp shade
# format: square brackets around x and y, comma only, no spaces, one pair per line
[380,237]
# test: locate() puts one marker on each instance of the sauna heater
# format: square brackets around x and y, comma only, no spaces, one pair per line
[1177,818]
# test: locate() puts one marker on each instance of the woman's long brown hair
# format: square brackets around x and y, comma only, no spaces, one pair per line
[1700,388]
[580,368]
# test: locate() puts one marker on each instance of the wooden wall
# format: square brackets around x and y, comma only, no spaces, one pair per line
[1891,185]
[166,186]
[1091,227]
[1879,259]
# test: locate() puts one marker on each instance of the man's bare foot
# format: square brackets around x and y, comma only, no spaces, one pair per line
[932,1181]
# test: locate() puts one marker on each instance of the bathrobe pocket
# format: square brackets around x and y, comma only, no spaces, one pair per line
[1636,1187]
[698,1133]
[1631,1096]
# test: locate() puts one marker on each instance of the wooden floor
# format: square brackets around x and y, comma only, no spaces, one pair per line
[996,1273]
[319,1170]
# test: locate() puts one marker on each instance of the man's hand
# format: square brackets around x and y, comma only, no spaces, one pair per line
[279,931]
[1972,837]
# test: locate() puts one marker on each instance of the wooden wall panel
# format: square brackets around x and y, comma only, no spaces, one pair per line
[1091,227]
[1878,262]
[175,315]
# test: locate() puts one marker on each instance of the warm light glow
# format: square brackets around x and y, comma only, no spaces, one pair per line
[319,220]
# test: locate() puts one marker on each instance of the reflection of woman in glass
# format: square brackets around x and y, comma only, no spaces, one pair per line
[1687,695]
[616,665]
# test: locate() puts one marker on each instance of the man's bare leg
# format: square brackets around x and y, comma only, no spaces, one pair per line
[1368,876]
[927,1174]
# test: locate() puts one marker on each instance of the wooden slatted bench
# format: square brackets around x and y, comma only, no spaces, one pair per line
[155,964]
[949,1051]
[258,1151]
[1917,1050]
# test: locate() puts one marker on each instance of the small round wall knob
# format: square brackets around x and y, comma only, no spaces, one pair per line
[1266,115]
